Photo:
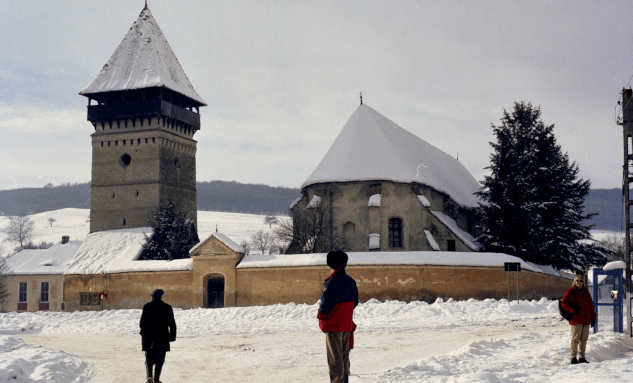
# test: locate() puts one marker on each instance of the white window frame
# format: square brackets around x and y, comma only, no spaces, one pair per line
[26,292]
[48,290]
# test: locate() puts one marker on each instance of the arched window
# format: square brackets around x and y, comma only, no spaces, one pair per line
[395,232]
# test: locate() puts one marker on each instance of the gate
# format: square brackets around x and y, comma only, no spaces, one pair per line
[215,292]
[607,299]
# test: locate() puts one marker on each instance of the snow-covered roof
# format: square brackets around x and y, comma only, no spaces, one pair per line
[371,147]
[143,59]
[117,251]
[435,258]
[431,240]
[54,260]
[231,244]
[615,265]
[374,200]
[465,237]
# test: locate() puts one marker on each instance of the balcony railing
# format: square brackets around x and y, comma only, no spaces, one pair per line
[138,109]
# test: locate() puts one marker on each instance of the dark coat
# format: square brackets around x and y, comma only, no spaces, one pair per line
[578,302]
[158,326]
[340,297]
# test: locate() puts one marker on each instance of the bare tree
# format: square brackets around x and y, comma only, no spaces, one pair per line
[615,245]
[4,283]
[247,248]
[270,220]
[20,230]
[261,241]
[51,220]
[309,231]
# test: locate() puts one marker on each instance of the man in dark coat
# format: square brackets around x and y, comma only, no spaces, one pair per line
[340,297]
[158,328]
[577,301]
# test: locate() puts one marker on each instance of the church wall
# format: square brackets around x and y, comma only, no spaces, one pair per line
[129,290]
[398,200]
[265,286]
[34,282]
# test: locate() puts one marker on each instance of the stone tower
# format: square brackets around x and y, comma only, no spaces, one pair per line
[145,115]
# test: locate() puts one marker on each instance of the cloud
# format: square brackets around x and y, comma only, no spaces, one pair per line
[35,119]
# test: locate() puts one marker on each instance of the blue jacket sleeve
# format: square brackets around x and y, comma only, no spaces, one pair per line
[331,296]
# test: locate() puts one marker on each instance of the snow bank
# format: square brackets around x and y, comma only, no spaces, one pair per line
[54,260]
[21,362]
[117,251]
[370,147]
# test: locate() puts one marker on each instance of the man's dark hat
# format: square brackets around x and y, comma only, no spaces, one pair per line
[336,259]
[158,293]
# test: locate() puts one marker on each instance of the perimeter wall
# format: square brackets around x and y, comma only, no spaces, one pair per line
[265,286]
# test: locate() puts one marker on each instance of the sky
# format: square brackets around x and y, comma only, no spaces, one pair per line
[281,78]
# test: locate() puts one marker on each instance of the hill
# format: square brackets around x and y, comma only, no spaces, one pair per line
[212,196]
[237,197]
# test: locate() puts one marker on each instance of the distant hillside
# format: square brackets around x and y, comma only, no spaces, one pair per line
[212,196]
[249,198]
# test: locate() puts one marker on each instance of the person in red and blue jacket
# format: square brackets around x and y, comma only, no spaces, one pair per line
[577,301]
[339,298]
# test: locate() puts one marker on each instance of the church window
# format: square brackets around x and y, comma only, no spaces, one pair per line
[146,140]
[123,142]
[132,142]
[139,141]
[450,245]
[153,140]
[116,143]
[108,144]
[102,144]
[395,232]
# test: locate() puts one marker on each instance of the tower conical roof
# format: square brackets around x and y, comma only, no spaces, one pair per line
[370,147]
[143,59]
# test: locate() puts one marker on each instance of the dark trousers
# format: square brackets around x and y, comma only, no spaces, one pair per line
[155,358]
[338,355]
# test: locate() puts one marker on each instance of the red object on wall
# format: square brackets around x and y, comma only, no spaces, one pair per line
[44,306]
[102,296]
[21,306]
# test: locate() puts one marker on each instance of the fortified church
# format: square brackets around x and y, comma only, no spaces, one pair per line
[403,208]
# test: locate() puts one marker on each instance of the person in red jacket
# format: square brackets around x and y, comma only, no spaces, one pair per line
[339,298]
[578,302]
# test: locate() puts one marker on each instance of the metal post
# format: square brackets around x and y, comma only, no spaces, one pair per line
[508,287]
[627,128]
[517,287]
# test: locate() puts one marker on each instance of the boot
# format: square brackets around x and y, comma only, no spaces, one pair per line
[148,372]
[157,371]
[582,360]
[574,361]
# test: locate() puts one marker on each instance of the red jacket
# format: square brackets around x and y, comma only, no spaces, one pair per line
[579,303]
[340,297]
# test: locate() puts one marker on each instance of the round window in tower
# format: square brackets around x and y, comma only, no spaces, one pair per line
[125,160]
[177,163]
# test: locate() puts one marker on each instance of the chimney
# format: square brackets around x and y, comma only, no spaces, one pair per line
[65,239]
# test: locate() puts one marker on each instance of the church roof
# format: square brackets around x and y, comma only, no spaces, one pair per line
[143,59]
[370,147]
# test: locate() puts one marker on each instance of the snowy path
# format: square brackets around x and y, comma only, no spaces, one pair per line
[263,358]
[447,341]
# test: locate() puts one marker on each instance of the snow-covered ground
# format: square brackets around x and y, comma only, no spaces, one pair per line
[466,341]
[76,224]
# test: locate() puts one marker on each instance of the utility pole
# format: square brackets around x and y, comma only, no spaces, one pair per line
[626,120]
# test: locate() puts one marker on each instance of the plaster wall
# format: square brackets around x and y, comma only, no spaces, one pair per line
[129,290]
[33,290]
[265,286]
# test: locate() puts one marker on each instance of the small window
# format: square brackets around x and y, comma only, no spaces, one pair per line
[153,140]
[112,194]
[139,141]
[450,245]
[146,140]
[123,142]
[137,193]
[131,142]
[89,299]
[124,221]
[108,143]
[44,292]
[22,295]
[102,144]
[395,232]
[116,143]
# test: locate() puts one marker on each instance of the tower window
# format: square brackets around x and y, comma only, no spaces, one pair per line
[108,143]
[177,163]
[112,194]
[116,143]
[146,140]
[137,193]
[102,144]
[125,160]
[395,232]
[124,221]
[139,141]
[123,142]
[131,142]
[153,140]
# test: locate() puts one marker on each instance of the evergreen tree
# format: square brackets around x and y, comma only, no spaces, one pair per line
[174,235]
[533,201]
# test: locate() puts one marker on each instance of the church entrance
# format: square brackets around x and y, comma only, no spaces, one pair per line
[215,292]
